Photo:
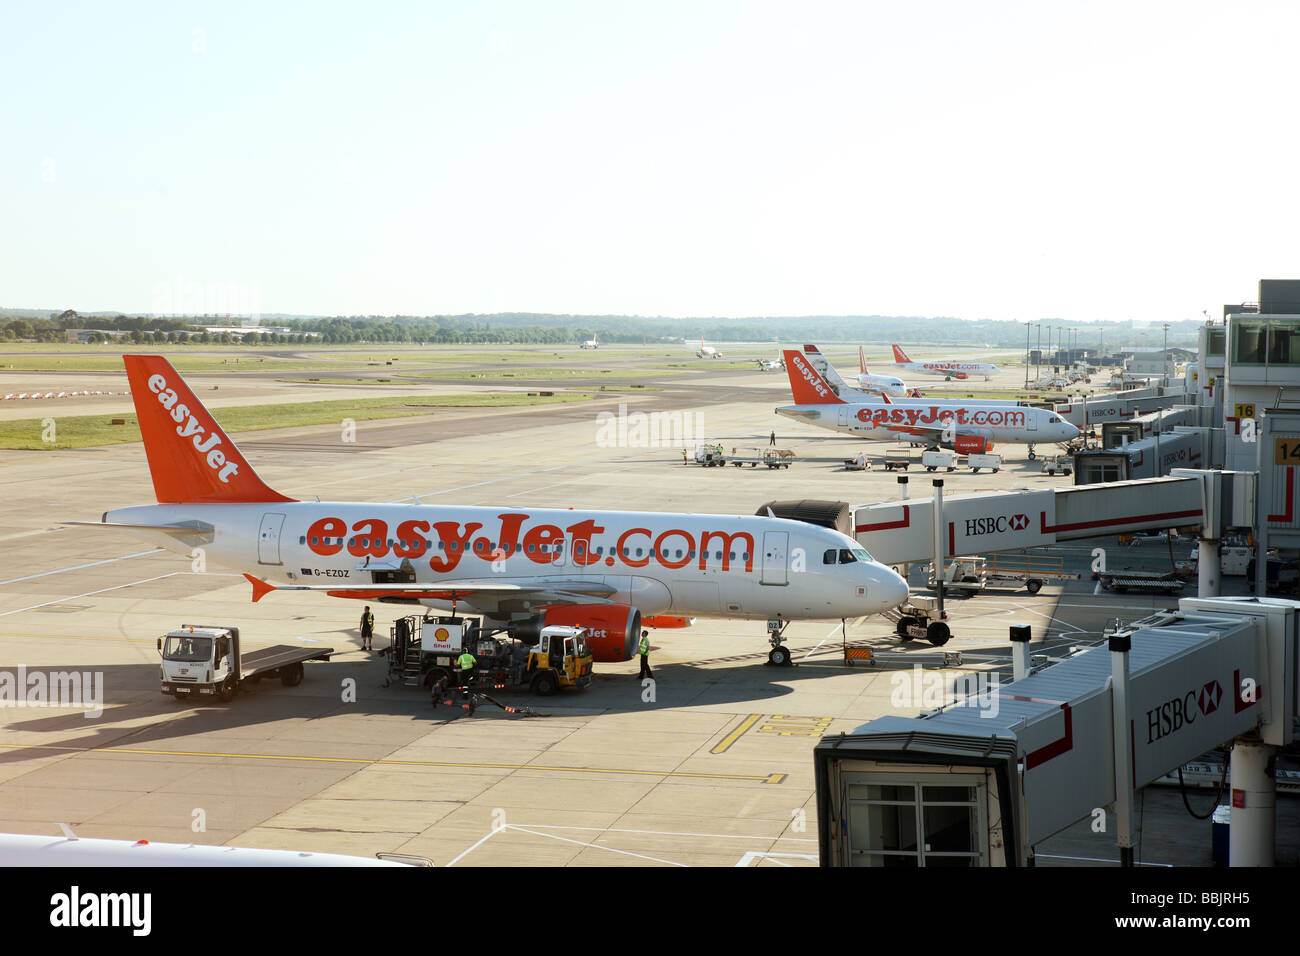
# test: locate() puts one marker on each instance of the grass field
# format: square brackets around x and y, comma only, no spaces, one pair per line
[86,431]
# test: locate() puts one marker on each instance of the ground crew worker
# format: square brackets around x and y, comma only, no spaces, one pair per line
[644,648]
[467,663]
[367,628]
[773,441]
[719,449]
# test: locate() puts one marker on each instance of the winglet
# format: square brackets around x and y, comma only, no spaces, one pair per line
[260,588]
[884,397]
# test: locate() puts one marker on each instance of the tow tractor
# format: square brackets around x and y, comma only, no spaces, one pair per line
[920,618]
[424,650]
[207,659]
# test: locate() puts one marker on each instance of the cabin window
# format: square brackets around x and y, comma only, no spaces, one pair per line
[303,540]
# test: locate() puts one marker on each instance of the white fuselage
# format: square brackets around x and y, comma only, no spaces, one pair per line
[698,565]
[998,423]
[949,369]
[882,384]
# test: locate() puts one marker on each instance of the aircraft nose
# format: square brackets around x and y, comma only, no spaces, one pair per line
[887,587]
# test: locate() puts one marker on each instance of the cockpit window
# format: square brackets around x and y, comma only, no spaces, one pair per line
[846,556]
[861,554]
[829,557]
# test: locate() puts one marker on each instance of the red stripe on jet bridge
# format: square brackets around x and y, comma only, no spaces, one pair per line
[1045,528]
[888,525]
[1057,747]
[952,540]
[1288,516]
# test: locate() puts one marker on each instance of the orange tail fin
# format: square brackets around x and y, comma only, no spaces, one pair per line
[808,387]
[900,355]
[190,458]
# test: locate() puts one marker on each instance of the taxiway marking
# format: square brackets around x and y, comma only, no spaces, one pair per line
[735,735]
[385,762]
[79,567]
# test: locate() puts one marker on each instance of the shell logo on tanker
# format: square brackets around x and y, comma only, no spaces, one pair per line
[441,634]
[893,415]
[540,543]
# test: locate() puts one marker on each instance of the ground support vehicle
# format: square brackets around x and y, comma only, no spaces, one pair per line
[971,574]
[201,660]
[424,653]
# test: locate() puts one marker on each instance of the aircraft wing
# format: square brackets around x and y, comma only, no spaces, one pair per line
[485,595]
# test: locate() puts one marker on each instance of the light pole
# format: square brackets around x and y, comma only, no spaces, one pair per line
[1027,355]
[1164,356]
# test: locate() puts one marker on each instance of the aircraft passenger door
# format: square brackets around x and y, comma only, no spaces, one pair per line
[844,416]
[1031,420]
[268,539]
[775,548]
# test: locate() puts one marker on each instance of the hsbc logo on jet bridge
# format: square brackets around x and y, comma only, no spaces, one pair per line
[999,524]
[811,377]
[1176,713]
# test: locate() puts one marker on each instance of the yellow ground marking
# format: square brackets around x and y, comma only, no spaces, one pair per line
[784,725]
[761,778]
[735,735]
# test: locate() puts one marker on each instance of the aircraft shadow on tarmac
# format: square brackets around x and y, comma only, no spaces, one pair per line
[130,693]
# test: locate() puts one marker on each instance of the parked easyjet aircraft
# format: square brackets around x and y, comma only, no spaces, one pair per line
[948,370]
[526,567]
[842,389]
[967,427]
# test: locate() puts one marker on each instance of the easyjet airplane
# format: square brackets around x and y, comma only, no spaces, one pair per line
[611,571]
[966,427]
[869,388]
[948,370]
[592,342]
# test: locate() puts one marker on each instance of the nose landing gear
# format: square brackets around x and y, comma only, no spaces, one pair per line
[779,655]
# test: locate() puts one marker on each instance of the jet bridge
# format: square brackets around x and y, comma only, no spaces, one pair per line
[982,782]
[901,532]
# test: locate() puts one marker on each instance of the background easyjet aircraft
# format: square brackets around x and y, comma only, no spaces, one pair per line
[870,387]
[967,427]
[600,569]
[946,369]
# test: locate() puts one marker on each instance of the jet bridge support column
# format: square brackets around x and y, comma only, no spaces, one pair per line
[1019,651]
[1120,644]
[938,543]
[1254,803]
[1208,568]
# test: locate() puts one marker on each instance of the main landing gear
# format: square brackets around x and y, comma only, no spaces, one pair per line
[779,655]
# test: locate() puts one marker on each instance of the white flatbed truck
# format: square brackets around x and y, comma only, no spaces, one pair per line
[206,660]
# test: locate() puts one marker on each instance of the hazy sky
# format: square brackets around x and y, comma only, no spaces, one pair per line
[1087,160]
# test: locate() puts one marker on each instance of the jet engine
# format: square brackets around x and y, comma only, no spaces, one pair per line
[970,444]
[613,629]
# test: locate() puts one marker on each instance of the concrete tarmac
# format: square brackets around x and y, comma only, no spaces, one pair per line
[711,765]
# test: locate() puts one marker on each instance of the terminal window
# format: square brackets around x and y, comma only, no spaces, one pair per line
[926,820]
[1214,342]
[1266,343]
